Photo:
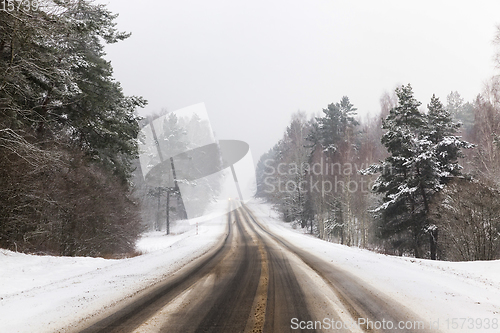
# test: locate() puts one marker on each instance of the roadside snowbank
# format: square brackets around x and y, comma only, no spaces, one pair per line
[434,290]
[48,294]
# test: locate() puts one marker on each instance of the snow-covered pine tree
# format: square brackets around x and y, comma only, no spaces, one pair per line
[446,149]
[424,156]
[337,119]
[460,111]
[335,136]
[447,145]
[402,212]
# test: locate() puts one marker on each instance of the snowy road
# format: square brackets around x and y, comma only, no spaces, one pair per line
[243,274]
[255,281]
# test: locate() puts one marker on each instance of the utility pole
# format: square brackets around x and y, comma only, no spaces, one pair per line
[168,212]
[180,202]
[157,225]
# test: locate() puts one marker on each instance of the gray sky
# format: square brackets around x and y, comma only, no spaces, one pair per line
[254,63]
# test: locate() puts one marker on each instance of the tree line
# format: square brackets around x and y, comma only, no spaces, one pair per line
[162,202]
[413,180]
[67,133]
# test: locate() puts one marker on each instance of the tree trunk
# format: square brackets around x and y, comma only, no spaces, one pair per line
[416,243]
[434,240]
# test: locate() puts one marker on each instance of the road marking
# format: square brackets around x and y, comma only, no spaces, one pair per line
[340,304]
[255,323]
[257,317]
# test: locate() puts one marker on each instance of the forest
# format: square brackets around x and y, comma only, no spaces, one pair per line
[68,134]
[420,178]
[416,179]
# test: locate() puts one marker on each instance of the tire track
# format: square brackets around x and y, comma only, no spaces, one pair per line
[360,300]
[144,305]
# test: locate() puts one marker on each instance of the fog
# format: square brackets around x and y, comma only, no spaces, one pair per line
[254,63]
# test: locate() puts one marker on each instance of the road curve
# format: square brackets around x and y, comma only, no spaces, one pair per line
[256,281]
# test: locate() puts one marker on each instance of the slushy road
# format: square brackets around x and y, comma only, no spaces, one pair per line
[255,281]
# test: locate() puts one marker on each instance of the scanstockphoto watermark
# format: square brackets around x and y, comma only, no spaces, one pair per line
[321,177]
[359,324]
[469,324]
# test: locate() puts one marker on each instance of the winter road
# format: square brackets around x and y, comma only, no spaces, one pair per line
[254,281]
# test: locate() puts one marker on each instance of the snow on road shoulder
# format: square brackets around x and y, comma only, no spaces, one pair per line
[437,291]
[48,294]
[157,240]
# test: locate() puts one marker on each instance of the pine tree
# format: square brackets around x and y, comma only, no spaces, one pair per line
[100,116]
[446,150]
[424,156]
[334,134]
[460,111]
[335,123]
[173,137]
[403,208]
[447,146]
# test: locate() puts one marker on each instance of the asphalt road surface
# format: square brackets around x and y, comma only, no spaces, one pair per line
[254,281]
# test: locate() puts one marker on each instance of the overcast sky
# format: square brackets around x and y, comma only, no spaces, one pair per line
[254,63]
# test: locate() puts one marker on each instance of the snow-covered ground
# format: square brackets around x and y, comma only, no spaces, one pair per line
[48,294]
[441,293]
[45,294]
